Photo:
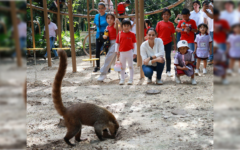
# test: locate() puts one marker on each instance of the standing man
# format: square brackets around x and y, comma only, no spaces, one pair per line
[229,14]
[53,33]
[208,19]
[197,14]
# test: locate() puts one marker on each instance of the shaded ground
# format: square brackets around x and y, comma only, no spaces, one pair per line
[146,121]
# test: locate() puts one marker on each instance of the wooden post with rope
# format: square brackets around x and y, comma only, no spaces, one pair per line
[16,36]
[47,33]
[33,34]
[89,31]
[73,53]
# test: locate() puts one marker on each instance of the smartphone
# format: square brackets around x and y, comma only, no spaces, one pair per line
[188,68]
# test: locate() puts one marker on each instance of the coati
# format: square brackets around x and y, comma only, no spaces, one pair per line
[82,113]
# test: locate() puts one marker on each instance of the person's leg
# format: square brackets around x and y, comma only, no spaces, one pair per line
[111,55]
[192,47]
[159,69]
[178,36]
[148,71]
[53,46]
[231,64]
[205,63]
[50,47]
[98,50]
[222,46]
[123,62]
[198,63]
[168,48]
[211,56]
[129,58]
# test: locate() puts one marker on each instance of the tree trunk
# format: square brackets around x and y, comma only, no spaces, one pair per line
[188,4]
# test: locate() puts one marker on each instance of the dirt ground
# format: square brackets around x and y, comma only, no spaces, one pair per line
[146,121]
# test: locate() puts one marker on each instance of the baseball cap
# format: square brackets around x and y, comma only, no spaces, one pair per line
[182,43]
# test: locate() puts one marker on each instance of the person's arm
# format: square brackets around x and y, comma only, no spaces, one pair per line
[56,34]
[176,19]
[178,29]
[55,3]
[134,50]
[174,41]
[117,22]
[210,15]
[195,50]
[160,49]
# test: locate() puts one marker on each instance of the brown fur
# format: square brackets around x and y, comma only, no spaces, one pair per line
[82,113]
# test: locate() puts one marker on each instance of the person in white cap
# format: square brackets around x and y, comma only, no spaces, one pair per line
[183,61]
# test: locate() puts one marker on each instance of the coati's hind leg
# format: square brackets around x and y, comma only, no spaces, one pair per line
[73,129]
[98,127]
[78,135]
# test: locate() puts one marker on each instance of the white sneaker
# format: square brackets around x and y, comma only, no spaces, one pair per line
[130,82]
[101,78]
[121,82]
[229,71]
[239,71]
[204,70]
[193,82]
[126,75]
[169,74]
[159,82]
[149,81]
[225,82]
[178,81]
[196,72]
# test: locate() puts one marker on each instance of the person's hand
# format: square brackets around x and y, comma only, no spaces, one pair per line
[205,7]
[105,37]
[179,16]
[118,53]
[117,21]
[146,61]
[145,38]
[187,29]
[175,47]
[134,56]
[194,52]
[210,7]
[184,68]
[186,62]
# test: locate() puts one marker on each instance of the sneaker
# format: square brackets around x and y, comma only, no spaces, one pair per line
[121,82]
[44,57]
[126,75]
[169,74]
[130,82]
[229,71]
[159,82]
[102,77]
[56,57]
[210,62]
[196,71]
[95,69]
[225,82]
[204,70]
[149,81]
[193,82]
[177,79]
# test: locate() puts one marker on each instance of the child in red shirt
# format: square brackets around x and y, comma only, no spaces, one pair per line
[187,27]
[221,29]
[121,8]
[126,41]
[147,25]
[166,30]
[111,55]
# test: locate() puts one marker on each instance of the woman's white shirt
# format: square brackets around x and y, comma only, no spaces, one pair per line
[157,50]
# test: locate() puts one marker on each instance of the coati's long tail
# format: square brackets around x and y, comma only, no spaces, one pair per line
[56,91]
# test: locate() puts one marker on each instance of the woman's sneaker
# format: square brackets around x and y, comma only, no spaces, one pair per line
[229,71]
[121,82]
[193,81]
[177,79]
[169,74]
[149,81]
[95,69]
[225,82]
[130,82]
[159,82]
[101,78]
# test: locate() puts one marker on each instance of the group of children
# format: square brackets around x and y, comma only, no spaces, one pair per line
[124,45]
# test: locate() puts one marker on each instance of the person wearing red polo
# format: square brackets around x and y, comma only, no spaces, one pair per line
[121,8]
[166,30]
[187,27]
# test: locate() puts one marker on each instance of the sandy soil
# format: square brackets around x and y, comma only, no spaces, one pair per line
[146,121]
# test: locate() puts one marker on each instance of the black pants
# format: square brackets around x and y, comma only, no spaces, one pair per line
[99,44]
[121,19]
[168,49]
